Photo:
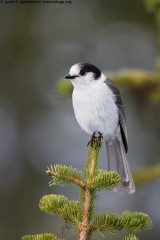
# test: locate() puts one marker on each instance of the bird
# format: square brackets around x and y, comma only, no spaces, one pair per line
[98,109]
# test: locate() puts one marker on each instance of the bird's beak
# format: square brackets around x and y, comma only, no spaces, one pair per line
[70,76]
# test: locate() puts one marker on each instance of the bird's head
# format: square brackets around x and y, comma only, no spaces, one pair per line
[82,74]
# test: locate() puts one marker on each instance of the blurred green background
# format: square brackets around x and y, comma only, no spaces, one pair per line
[38,45]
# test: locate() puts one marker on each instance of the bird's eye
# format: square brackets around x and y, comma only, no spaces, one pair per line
[82,72]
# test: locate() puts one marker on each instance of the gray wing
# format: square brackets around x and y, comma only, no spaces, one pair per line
[122,118]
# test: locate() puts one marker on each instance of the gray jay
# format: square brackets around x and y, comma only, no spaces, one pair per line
[99,110]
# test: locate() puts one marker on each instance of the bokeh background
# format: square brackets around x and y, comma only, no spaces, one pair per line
[38,45]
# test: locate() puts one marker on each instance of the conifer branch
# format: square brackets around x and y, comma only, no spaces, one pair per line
[44,236]
[131,237]
[85,228]
[65,174]
[132,221]
[105,180]
[146,175]
[59,204]
[107,222]
[81,213]
[136,221]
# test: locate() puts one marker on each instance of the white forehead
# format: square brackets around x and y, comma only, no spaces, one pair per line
[75,69]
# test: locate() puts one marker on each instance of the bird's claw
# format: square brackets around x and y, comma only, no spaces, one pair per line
[95,141]
[92,140]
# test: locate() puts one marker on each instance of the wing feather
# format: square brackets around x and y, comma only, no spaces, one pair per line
[122,117]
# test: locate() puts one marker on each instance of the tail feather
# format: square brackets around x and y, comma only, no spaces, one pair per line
[117,161]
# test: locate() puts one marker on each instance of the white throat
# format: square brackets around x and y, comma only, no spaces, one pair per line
[84,84]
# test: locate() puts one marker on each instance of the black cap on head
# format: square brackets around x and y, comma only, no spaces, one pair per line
[87,67]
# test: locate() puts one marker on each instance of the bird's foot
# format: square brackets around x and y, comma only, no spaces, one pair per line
[100,137]
[92,140]
[95,141]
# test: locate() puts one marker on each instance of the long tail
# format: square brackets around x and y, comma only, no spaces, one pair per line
[117,161]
